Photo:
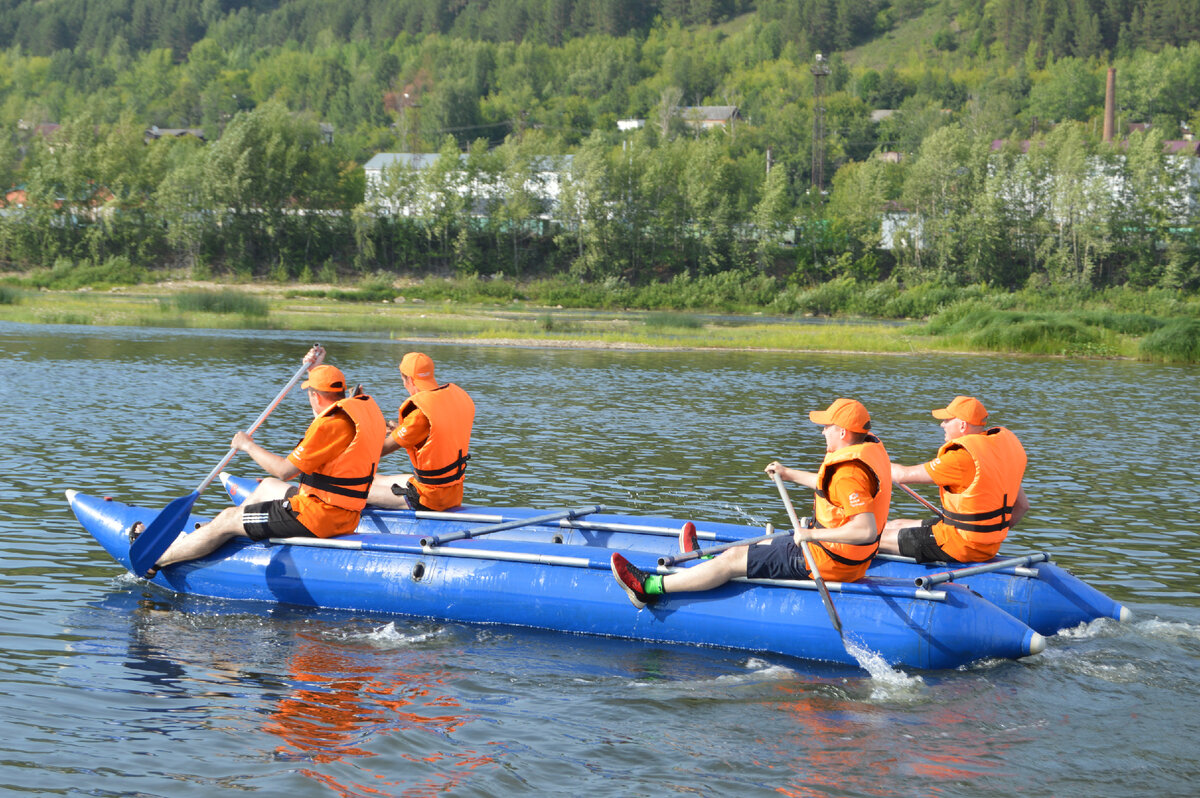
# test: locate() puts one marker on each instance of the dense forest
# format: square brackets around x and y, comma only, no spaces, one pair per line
[230,135]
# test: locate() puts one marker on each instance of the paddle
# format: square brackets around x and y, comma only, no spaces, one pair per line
[699,553]
[808,558]
[160,533]
[921,499]
[437,540]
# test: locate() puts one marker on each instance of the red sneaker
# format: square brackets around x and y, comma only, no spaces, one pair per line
[687,538]
[632,581]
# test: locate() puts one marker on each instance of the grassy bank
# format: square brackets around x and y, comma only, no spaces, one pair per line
[707,313]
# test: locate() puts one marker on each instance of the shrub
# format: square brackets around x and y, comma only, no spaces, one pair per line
[9,296]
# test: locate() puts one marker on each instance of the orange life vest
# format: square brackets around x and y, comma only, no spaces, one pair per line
[977,520]
[846,562]
[442,458]
[345,481]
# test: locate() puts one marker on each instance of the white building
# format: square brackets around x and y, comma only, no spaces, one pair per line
[395,184]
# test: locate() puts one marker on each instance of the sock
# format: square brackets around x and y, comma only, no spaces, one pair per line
[654,585]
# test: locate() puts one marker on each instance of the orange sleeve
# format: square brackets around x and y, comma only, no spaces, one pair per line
[852,488]
[326,438]
[413,430]
[954,470]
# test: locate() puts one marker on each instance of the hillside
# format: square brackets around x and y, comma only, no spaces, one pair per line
[229,136]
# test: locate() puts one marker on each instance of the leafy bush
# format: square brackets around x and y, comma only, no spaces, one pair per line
[9,296]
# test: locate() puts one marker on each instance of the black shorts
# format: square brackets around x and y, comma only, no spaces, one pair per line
[273,519]
[918,542]
[779,559]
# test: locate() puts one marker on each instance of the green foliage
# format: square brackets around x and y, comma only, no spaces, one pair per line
[9,296]
[226,301]
[665,211]
[1014,331]
[1175,342]
[68,275]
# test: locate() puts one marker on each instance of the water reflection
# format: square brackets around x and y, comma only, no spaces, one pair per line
[343,700]
[843,745]
[333,697]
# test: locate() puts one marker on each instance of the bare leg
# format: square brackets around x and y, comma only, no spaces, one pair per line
[383,495]
[269,490]
[727,565]
[205,540]
[888,539]
[226,526]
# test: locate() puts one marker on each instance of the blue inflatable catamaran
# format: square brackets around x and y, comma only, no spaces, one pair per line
[522,567]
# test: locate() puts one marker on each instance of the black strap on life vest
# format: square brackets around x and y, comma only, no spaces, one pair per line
[343,486]
[444,475]
[967,521]
[838,557]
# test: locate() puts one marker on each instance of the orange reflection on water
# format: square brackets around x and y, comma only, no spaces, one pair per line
[344,706]
[848,746]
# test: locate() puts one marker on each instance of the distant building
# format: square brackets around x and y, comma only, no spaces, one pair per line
[545,183]
[709,116]
[1108,184]
[156,132]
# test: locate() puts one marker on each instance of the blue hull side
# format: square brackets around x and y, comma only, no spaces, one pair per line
[918,629]
[1048,602]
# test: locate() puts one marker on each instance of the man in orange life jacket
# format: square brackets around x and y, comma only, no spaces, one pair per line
[435,429]
[853,491]
[335,461]
[978,472]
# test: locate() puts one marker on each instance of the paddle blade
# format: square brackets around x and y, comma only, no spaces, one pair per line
[161,533]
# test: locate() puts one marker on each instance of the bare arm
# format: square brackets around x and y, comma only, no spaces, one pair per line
[270,462]
[911,475]
[807,479]
[1020,507]
[858,531]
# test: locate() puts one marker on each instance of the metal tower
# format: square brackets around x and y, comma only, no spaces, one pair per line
[820,70]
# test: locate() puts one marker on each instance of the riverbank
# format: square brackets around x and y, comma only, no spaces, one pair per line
[972,324]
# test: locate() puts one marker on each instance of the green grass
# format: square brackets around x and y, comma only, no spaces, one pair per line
[9,296]
[662,320]
[1071,322]
[1177,341]
[225,301]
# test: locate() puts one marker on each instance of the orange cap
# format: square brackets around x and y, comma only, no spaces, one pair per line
[325,378]
[419,368]
[965,408]
[845,413]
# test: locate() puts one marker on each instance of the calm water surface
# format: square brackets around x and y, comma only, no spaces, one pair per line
[110,687]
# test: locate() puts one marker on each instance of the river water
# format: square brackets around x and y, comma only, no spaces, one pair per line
[111,687]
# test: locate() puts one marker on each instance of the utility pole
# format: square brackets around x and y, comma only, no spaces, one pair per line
[820,70]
